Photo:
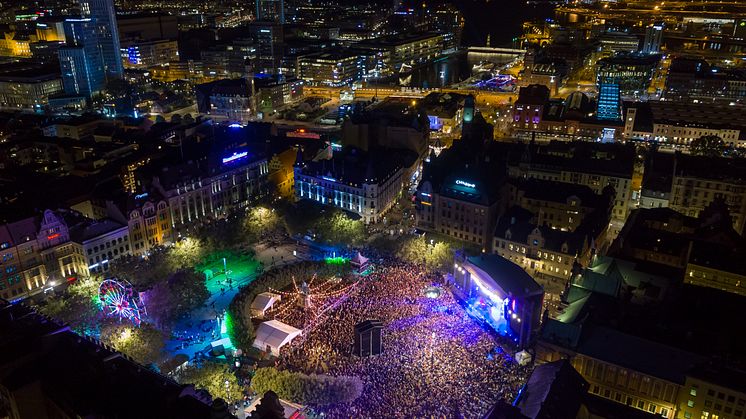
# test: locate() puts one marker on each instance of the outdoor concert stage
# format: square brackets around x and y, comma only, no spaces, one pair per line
[500,293]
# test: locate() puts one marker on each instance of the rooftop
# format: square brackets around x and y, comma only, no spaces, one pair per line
[509,276]
[44,361]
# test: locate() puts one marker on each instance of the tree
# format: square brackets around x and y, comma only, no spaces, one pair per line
[708,145]
[315,389]
[144,273]
[189,289]
[260,221]
[78,307]
[340,228]
[215,378]
[435,256]
[168,300]
[144,344]
[186,253]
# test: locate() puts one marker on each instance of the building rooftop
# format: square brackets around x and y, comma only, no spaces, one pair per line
[356,167]
[554,389]
[48,369]
[507,275]
[658,360]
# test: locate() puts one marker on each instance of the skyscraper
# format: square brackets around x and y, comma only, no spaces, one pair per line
[653,38]
[104,16]
[609,101]
[81,63]
[270,11]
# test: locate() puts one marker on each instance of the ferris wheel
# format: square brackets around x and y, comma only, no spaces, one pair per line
[119,299]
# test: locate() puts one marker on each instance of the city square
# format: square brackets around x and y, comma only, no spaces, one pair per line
[377,209]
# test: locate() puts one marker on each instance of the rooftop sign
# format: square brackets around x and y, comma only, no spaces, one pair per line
[464,183]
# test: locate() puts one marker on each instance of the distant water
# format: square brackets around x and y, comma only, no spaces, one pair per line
[501,19]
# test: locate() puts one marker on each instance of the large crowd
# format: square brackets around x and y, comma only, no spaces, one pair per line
[436,362]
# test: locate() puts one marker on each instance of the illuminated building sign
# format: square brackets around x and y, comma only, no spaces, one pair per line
[235,156]
[302,133]
[53,236]
[235,126]
[330,179]
[141,196]
[464,183]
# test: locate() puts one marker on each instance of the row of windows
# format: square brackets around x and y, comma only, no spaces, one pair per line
[107,245]
[630,401]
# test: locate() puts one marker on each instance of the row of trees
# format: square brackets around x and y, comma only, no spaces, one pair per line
[331,225]
[433,255]
[307,389]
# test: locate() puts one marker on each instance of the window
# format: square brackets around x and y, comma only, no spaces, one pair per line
[688,415]
[690,403]
[640,404]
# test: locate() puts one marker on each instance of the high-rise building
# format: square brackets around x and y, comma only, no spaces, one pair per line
[653,38]
[81,63]
[270,11]
[609,101]
[104,17]
[268,37]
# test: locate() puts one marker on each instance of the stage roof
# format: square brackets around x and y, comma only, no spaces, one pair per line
[510,277]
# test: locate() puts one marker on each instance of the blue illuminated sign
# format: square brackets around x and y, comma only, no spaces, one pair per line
[330,179]
[464,183]
[235,156]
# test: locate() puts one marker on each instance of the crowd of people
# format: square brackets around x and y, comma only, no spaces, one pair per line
[436,361]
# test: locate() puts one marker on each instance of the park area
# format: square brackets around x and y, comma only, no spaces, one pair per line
[205,310]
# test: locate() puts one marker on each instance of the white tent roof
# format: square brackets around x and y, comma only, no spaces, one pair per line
[274,334]
[359,259]
[264,301]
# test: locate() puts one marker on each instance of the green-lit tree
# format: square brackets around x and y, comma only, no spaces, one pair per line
[216,378]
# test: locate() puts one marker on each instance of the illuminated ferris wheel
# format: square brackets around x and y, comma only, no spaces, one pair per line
[119,299]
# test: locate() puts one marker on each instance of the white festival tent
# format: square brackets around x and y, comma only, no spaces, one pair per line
[273,335]
[263,302]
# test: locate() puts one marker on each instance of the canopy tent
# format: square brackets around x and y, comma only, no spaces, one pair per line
[263,302]
[359,262]
[273,335]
